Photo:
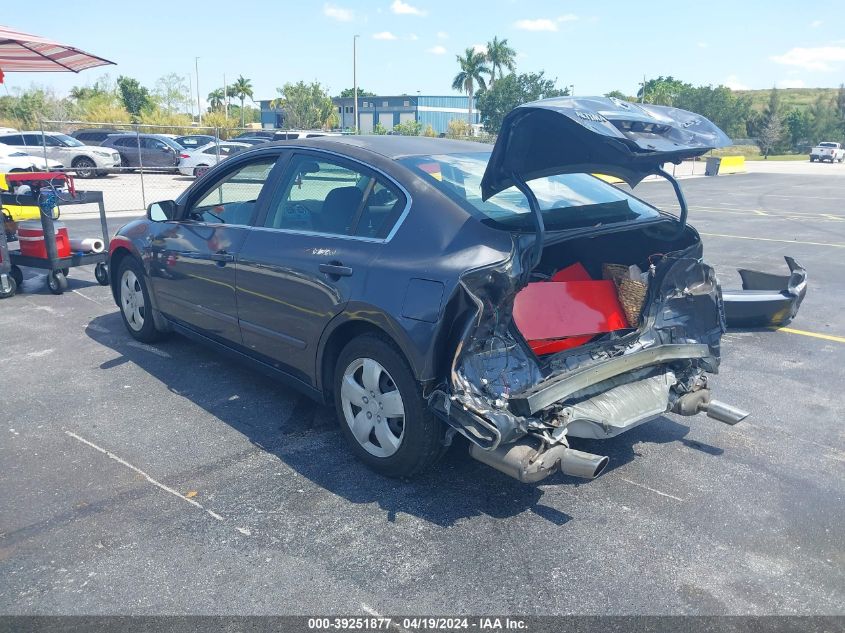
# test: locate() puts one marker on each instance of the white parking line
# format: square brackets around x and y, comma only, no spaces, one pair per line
[662,494]
[158,484]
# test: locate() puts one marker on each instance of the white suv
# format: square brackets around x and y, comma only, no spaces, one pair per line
[87,161]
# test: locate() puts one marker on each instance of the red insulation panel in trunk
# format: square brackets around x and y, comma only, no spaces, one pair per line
[562,309]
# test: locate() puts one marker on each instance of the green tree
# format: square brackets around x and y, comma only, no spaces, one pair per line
[662,90]
[618,94]
[771,130]
[798,127]
[458,128]
[349,93]
[824,124]
[172,92]
[510,91]
[305,105]
[500,55]
[134,96]
[473,69]
[242,88]
[379,129]
[216,99]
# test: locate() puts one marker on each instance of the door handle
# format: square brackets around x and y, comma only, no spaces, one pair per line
[222,256]
[336,269]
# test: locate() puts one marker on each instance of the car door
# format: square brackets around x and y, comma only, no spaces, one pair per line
[309,255]
[127,147]
[32,144]
[192,263]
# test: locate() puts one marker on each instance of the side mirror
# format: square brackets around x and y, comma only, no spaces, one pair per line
[162,211]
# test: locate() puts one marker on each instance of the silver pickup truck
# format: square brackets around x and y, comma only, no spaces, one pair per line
[827,151]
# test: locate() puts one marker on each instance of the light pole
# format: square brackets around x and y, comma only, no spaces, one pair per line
[571,90]
[355,83]
[199,106]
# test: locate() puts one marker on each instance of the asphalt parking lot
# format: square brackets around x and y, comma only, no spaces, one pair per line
[163,479]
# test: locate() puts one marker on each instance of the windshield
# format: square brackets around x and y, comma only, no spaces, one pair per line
[67,140]
[827,144]
[566,200]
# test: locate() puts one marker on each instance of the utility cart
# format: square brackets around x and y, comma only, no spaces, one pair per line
[47,199]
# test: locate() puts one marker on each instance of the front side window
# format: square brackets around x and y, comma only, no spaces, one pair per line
[233,200]
[566,200]
[333,198]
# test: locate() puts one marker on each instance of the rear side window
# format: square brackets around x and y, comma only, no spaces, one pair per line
[335,198]
[12,139]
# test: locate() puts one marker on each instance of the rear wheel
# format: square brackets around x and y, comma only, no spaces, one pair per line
[134,301]
[199,170]
[8,286]
[85,167]
[381,409]
[17,275]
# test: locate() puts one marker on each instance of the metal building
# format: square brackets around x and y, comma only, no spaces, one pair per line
[432,110]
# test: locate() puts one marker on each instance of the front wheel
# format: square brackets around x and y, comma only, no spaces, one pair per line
[381,410]
[134,301]
[56,282]
[85,167]
[8,286]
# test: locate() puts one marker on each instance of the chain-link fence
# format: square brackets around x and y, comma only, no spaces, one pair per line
[132,164]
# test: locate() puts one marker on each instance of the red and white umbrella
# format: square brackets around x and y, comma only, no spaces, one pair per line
[22,52]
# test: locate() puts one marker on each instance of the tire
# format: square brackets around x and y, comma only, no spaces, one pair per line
[812,159]
[84,167]
[66,272]
[368,371]
[17,275]
[199,170]
[10,290]
[101,274]
[134,302]
[56,282]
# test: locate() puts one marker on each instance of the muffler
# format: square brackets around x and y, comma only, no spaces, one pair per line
[527,464]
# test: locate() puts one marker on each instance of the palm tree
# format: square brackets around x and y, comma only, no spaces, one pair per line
[242,88]
[500,55]
[215,99]
[473,70]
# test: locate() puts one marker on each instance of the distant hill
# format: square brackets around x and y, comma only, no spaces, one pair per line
[789,97]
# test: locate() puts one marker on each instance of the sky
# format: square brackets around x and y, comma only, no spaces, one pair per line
[409,46]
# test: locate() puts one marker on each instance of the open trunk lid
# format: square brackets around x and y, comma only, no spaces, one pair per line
[595,134]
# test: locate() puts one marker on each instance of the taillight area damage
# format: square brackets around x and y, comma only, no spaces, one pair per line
[518,408]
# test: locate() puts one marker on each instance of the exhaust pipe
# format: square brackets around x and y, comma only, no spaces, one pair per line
[528,465]
[698,401]
[724,412]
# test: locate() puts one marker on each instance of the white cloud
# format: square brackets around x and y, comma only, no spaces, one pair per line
[384,35]
[816,24]
[734,83]
[540,24]
[437,50]
[791,83]
[480,48]
[338,13]
[403,8]
[819,58]
[442,35]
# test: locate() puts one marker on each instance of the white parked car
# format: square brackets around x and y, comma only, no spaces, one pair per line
[195,162]
[15,160]
[86,160]
[827,151]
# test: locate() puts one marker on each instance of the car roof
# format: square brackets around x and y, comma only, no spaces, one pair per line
[390,146]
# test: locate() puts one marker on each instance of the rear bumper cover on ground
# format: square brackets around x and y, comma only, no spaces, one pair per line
[766,299]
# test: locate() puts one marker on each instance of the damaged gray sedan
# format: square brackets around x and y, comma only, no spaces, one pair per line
[428,287]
